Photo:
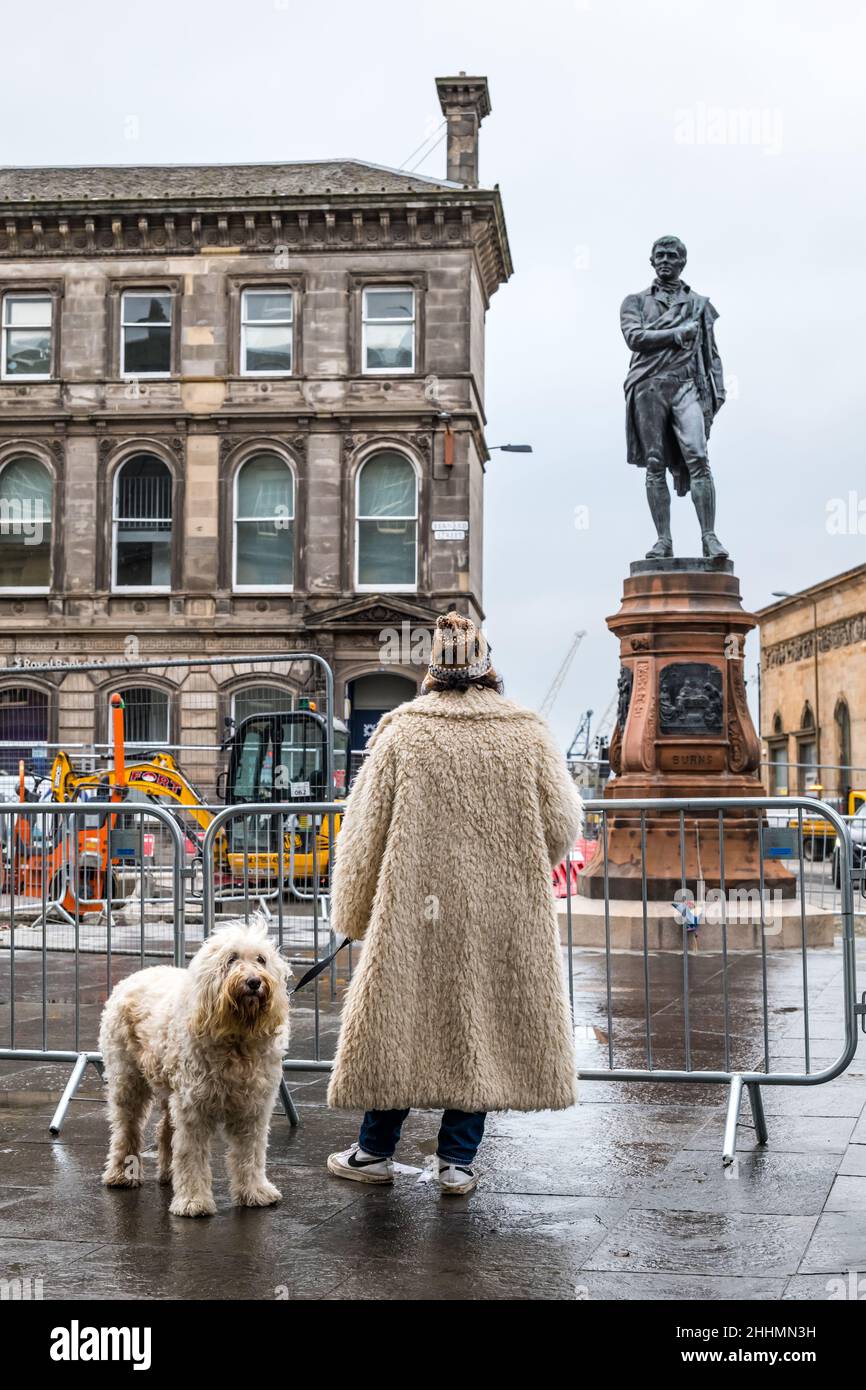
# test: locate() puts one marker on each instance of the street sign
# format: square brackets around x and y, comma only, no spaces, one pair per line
[450,530]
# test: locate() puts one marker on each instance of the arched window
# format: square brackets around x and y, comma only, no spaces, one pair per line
[386,542]
[264,548]
[261,699]
[141,523]
[777,744]
[145,716]
[24,726]
[25,525]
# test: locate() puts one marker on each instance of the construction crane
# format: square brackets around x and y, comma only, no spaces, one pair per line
[583,728]
[605,723]
[556,685]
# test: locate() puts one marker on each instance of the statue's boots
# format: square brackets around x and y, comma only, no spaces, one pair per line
[704,497]
[662,550]
[713,548]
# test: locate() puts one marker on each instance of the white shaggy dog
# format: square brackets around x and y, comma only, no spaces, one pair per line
[207,1042]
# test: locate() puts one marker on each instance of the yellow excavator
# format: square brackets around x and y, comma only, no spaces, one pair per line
[272,758]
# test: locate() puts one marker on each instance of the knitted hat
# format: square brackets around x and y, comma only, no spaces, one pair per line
[459,652]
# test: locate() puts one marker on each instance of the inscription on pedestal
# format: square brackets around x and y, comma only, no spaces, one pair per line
[690,698]
[679,758]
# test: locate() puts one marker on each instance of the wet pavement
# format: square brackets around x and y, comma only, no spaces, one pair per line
[624,1197]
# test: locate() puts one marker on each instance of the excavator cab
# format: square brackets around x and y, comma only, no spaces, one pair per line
[282,757]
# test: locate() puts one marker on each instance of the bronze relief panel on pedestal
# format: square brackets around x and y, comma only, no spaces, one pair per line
[690,698]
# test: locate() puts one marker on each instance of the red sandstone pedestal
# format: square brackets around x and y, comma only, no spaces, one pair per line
[683,730]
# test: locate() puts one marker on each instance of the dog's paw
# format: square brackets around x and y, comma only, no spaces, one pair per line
[121,1177]
[264,1195]
[193,1206]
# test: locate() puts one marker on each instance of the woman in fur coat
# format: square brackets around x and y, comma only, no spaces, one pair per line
[443,869]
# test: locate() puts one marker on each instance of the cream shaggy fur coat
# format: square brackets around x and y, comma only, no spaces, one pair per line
[443,868]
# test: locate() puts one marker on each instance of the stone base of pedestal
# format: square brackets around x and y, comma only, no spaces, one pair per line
[703,851]
[683,732]
[783,930]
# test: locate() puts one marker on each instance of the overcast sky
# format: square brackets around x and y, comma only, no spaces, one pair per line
[739,127]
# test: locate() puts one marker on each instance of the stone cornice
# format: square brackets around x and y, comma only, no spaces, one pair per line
[447,219]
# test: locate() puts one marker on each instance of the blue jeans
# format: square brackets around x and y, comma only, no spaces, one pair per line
[459,1134]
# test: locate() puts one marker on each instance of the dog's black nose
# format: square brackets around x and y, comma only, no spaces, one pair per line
[254,984]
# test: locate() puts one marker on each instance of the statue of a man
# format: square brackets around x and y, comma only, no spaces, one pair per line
[672,392]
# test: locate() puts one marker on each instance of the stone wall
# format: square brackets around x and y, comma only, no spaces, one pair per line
[837,609]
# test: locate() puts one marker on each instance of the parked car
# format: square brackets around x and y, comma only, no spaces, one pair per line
[819,837]
[857,830]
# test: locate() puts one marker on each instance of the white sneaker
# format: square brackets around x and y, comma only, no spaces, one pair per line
[359,1166]
[455,1181]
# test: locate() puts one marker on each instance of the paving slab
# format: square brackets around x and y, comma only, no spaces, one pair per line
[760,1182]
[848,1193]
[840,1287]
[838,1243]
[679,1288]
[698,1242]
[854,1161]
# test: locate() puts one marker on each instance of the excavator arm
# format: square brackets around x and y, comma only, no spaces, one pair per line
[157,778]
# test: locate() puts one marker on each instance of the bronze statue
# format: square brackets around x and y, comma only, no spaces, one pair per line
[673,390]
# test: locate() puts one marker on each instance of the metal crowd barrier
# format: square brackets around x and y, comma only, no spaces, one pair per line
[769,815]
[293,894]
[64,900]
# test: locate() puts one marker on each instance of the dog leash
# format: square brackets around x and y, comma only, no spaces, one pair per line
[317,969]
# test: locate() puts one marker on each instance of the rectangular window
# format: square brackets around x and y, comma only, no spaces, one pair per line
[779,771]
[388,329]
[266,332]
[26,350]
[807,757]
[145,334]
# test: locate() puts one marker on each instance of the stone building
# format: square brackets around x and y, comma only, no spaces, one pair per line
[241,410]
[813,687]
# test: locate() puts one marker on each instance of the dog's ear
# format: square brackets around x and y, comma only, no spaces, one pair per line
[281,953]
[207,975]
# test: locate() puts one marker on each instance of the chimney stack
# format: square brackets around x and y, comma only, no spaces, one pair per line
[465,101]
